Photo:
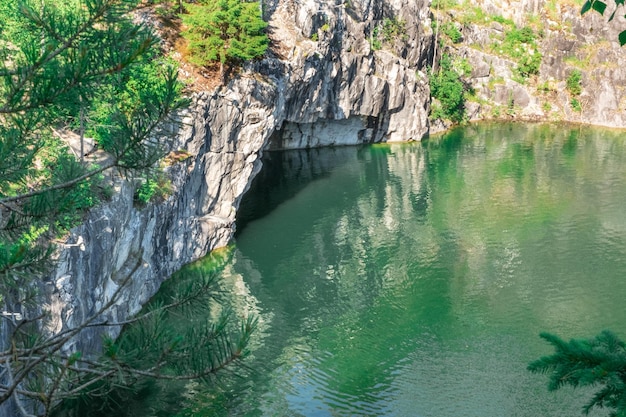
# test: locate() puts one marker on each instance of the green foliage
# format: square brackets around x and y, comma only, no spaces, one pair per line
[503,21]
[388,32]
[451,31]
[57,60]
[546,106]
[375,42]
[443,4]
[545,87]
[146,191]
[73,63]
[167,9]
[598,362]
[463,67]
[172,331]
[224,31]
[576,106]
[155,187]
[393,29]
[130,104]
[520,44]
[473,14]
[514,37]
[573,82]
[528,64]
[576,62]
[446,86]
[511,109]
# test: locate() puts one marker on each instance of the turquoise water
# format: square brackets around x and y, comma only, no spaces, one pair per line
[414,279]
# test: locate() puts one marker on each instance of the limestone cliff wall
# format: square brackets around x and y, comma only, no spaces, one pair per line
[568,42]
[334,88]
[322,85]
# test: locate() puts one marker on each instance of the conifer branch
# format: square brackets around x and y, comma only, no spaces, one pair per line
[66,184]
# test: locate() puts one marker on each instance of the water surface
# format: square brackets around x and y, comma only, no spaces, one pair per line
[414,279]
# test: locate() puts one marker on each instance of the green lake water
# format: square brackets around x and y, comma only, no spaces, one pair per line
[414,279]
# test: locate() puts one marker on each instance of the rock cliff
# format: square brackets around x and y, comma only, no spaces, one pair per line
[323,84]
[567,42]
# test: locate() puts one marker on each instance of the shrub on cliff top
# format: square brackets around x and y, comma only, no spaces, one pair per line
[225,31]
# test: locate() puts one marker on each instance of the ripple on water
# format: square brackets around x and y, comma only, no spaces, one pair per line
[474,377]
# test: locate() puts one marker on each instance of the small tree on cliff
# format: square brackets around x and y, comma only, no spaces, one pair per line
[447,87]
[224,31]
[59,62]
[598,362]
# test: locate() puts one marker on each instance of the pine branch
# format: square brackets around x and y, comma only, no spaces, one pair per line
[56,342]
[598,361]
[66,184]
[30,71]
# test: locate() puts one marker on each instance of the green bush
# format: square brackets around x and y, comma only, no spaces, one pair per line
[573,82]
[394,29]
[516,36]
[463,67]
[529,64]
[451,31]
[376,44]
[447,87]
[134,90]
[224,31]
[576,106]
[157,187]
[503,21]
[443,4]
[545,87]
[520,44]
[388,32]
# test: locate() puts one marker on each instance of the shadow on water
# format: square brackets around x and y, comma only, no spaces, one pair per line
[284,174]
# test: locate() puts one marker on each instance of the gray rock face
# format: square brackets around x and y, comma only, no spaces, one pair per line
[588,44]
[331,91]
[331,74]
[568,43]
